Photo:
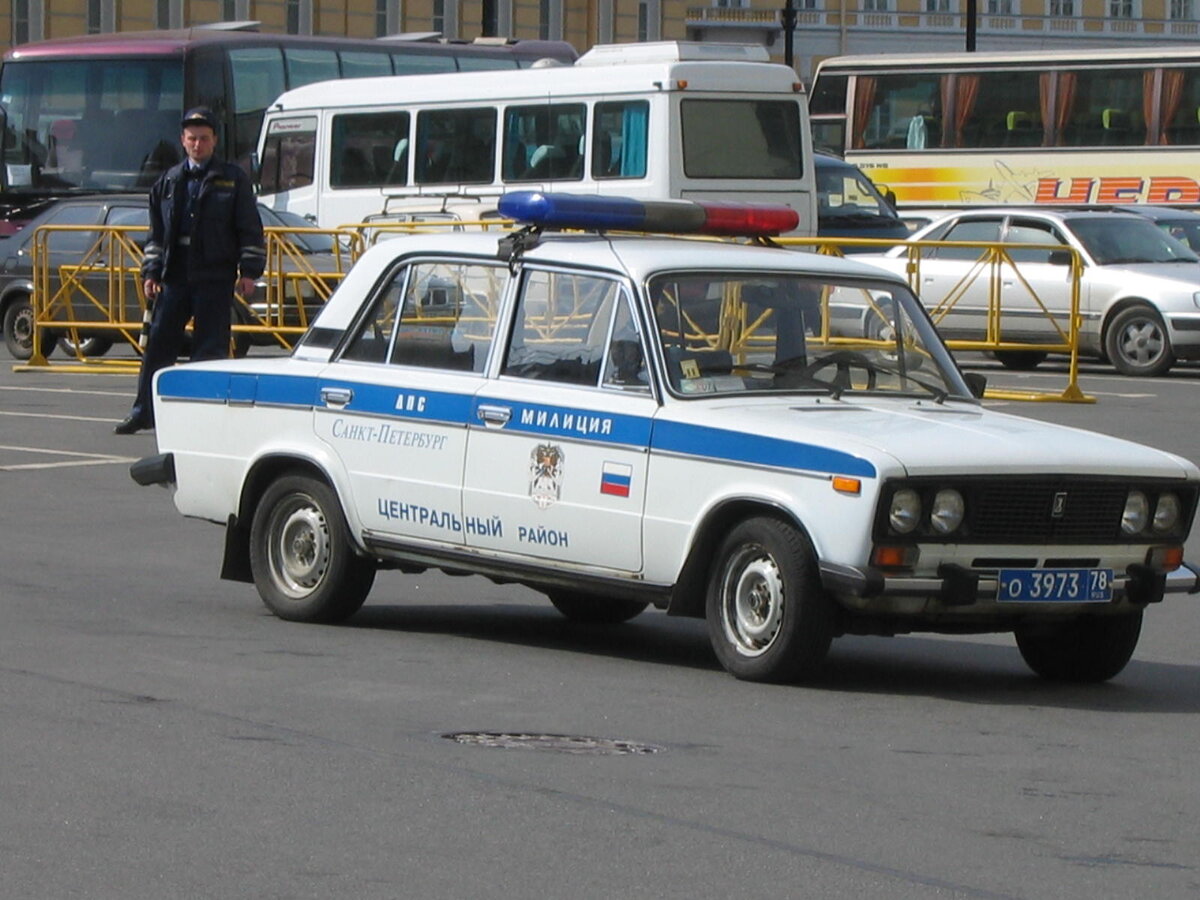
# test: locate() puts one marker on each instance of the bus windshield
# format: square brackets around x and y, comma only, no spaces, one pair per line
[89,123]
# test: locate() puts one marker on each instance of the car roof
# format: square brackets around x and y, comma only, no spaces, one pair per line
[1158,213]
[1063,216]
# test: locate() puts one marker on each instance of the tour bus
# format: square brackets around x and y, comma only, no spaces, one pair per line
[649,121]
[1056,127]
[101,112]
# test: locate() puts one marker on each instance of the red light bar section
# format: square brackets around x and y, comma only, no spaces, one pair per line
[748,220]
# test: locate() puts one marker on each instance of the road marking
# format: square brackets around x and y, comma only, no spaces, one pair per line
[46,390]
[82,459]
[29,415]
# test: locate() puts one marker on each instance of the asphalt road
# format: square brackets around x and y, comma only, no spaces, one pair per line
[162,736]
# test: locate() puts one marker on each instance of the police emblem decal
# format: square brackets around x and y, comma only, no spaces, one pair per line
[545,475]
[1059,507]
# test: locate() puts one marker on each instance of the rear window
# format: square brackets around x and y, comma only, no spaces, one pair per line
[767,144]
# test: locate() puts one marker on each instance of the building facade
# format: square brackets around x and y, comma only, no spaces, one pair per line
[823,27]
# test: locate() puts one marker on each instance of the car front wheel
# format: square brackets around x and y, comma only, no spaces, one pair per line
[768,617]
[301,556]
[1085,650]
[1137,343]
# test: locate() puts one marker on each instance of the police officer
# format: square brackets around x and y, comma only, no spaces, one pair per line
[205,233]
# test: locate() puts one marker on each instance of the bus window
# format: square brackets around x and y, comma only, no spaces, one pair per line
[905,111]
[421,64]
[456,146]
[369,150]
[544,142]
[288,153]
[256,79]
[1100,107]
[768,144]
[619,139]
[485,63]
[829,96]
[360,64]
[306,66]
[996,109]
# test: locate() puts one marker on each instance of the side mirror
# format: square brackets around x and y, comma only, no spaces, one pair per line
[890,196]
[1059,258]
[977,382]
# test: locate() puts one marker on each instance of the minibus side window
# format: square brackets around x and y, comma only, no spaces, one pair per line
[619,139]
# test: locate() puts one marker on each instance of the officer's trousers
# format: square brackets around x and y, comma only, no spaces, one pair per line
[207,304]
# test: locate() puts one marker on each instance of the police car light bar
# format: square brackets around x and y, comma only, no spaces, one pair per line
[590,212]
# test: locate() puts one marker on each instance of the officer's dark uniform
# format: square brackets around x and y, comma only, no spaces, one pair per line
[204,232]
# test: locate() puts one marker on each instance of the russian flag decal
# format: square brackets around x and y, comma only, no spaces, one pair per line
[615,479]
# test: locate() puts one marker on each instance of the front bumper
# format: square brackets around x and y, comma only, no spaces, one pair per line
[955,586]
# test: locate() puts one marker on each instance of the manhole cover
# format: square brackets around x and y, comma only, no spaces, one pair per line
[557,743]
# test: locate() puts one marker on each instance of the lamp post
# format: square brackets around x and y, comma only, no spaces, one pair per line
[789,30]
[972,17]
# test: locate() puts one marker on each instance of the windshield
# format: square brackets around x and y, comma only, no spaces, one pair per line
[764,333]
[92,124]
[843,191]
[1116,240]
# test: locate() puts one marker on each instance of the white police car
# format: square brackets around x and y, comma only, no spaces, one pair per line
[775,441]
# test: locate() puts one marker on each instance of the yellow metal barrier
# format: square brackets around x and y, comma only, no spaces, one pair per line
[99,292]
[994,262]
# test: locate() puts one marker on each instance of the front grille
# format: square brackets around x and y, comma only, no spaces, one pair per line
[1024,513]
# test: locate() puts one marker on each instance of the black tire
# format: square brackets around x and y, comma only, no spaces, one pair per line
[18,330]
[769,619]
[90,345]
[1090,649]
[1021,360]
[595,609]
[1136,342]
[301,556]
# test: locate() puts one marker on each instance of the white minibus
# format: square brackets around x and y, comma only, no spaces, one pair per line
[651,121]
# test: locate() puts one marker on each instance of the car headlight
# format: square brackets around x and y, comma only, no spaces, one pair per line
[905,513]
[947,512]
[1166,513]
[1137,511]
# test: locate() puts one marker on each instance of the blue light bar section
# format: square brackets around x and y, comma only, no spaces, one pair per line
[583,211]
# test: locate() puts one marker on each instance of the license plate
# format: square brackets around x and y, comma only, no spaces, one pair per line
[1055,585]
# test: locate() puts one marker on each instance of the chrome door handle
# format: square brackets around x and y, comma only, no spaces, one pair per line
[494,415]
[335,396]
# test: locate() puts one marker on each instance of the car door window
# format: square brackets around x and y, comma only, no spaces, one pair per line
[438,315]
[1030,233]
[72,241]
[563,327]
[973,230]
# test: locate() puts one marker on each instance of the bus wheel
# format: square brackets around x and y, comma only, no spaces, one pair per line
[768,617]
[1021,360]
[595,609]
[1088,649]
[1136,342]
[301,556]
[19,331]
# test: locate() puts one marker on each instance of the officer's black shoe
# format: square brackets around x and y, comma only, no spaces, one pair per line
[132,424]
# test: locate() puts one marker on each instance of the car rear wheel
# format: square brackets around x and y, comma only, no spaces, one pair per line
[768,617]
[595,609]
[301,556]
[1021,360]
[1088,649]
[19,331]
[1137,344]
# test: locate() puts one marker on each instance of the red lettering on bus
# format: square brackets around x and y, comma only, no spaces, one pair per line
[1173,190]
[1119,190]
[1048,191]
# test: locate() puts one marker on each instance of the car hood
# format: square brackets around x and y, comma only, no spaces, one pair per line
[1180,275]
[911,437]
